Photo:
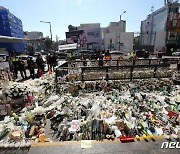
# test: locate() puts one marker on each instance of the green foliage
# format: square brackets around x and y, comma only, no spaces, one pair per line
[48,43]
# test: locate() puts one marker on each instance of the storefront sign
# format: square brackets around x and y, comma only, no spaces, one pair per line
[174,20]
[68,47]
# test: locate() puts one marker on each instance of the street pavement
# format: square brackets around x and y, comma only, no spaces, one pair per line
[98,147]
[106,147]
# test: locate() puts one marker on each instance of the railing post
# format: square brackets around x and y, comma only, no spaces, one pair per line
[155,69]
[117,62]
[133,61]
[56,81]
[107,75]
[150,61]
[82,74]
[131,73]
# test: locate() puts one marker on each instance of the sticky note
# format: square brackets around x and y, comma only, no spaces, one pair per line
[86,144]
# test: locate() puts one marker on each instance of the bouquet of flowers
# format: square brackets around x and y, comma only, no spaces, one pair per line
[17,90]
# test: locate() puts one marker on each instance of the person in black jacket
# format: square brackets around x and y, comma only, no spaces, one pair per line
[48,61]
[51,61]
[146,54]
[31,66]
[40,63]
[22,69]
[15,61]
[54,60]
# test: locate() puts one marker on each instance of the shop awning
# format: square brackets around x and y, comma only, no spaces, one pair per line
[8,39]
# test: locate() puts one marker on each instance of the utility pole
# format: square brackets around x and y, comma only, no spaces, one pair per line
[47,22]
[119,31]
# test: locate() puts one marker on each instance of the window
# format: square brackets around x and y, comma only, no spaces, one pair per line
[172,35]
[174,23]
[174,10]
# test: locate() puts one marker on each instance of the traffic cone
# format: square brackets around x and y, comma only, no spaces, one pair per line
[40,73]
[50,71]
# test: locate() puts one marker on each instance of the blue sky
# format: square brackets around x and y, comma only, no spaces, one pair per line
[61,13]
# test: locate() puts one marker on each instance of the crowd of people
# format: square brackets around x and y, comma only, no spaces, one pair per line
[17,64]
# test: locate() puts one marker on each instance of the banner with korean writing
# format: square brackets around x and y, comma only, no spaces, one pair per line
[94,37]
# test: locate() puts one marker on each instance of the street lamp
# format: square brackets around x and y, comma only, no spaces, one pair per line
[122,14]
[47,22]
[119,32]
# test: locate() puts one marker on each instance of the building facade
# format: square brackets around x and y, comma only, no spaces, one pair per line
[36,43]
[34,35]
[115,37]
[11,26]
[154,29]
[88,36]
[93,36]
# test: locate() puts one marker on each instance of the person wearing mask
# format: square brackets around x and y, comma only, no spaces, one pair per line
[31,66]
[40,63]
[22,69]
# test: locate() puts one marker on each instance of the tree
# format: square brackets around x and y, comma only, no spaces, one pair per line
[72,28]
[47,43]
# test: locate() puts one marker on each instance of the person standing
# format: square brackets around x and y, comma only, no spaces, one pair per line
[100,60]
[11,66]
[146,54]
[69,56]
[51,61]
[107,55]
[31,66]
[48,61]
[40,63]
[159,54]
[15,61]
[83,58]
[135,56]
[22,69]
[54,61]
